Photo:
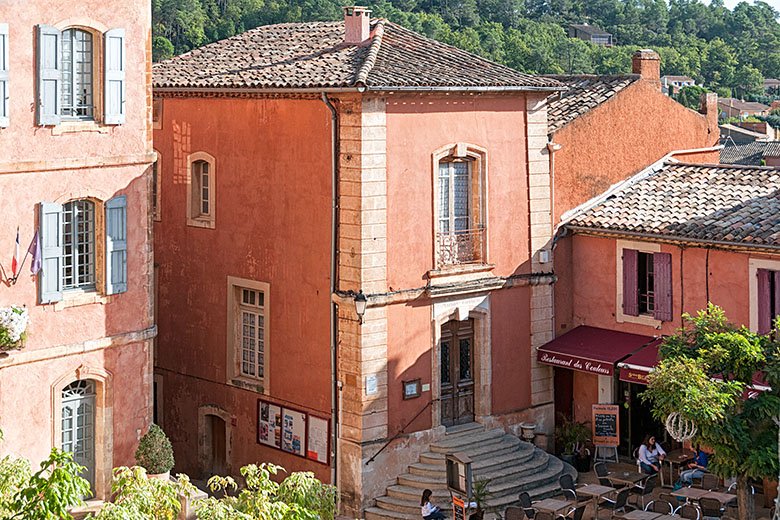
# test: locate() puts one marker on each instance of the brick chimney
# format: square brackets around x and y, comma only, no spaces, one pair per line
[708,105]
[647,63]
[357,25]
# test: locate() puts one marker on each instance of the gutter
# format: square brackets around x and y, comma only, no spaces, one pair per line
[388,88]
[359,87]
[333,309]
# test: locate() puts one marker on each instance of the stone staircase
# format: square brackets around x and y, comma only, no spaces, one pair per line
[512,465]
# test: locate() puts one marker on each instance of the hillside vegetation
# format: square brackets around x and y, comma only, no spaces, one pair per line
[728,51]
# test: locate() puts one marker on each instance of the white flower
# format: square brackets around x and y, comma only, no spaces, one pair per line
[14,320]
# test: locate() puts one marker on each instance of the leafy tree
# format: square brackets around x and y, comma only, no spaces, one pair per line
[705,369]
[690,96]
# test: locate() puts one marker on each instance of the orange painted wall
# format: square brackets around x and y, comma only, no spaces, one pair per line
[273,225]
[416,128]
[622,136]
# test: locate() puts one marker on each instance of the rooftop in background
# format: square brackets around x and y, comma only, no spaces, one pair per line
[313,55]
[591,33]
[750,154]
[587,28]
[690,203]
[771,83]
[678,78]
[585,93]
[738,104]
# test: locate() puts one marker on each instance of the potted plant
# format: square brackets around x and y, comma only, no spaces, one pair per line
[480,496]
[571,437]
[13,327]
[155,453]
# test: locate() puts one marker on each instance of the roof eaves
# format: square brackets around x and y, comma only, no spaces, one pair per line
[376,43]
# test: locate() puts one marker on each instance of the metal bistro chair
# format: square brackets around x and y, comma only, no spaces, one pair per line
[660,506]
[575,514]
[525,503]
[544,515]
[671,499]
[689,512]
[569,494]
[711,508]
[710,482]
[601,472]
[643,490]
[619,504]
[514,513]
[568,487]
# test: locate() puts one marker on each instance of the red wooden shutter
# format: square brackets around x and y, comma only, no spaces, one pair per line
[764,306]
[630,282]
[662,281]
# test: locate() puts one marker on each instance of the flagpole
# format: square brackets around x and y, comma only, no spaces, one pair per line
[21,265]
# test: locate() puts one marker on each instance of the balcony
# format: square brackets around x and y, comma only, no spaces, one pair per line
[460,247]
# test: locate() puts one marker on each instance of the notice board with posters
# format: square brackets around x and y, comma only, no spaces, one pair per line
[293,431]
[605,423]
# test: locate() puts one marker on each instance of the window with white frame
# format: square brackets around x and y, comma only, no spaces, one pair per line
[247,343]
[201,190]
[78,245]
[77,74]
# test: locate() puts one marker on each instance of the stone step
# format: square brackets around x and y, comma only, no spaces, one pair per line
[464,428]
[479,451]
[499,474]
[519,454]
[412,494]
[420,482]
[376,513]
[527,483]
[459,443]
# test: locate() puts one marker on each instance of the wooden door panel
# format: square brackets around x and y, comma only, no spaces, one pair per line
[457,369]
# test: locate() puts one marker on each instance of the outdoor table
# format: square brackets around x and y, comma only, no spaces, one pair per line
[553,505]
[596,491]
[629,478]
[691,493]
[677,457]
[723,498]
[640,515]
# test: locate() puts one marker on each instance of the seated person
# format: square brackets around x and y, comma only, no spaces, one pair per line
[696,469]
[650,455]
[430,511]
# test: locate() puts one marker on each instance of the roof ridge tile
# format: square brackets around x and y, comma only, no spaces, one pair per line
[373,52]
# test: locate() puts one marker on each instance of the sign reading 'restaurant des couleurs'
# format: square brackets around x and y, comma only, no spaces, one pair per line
[575,363]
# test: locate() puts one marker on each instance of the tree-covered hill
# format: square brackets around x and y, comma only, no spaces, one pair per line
[725,50]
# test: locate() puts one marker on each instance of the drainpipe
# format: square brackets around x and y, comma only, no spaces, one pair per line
[334,391]
[552,148]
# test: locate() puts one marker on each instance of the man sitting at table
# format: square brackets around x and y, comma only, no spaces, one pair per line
[696,469]
[650,455]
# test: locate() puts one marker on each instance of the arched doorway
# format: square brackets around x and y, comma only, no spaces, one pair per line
[216,444]
[78,425]
[456,354]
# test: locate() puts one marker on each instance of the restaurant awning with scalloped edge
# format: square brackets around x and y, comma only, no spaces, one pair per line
[591,349]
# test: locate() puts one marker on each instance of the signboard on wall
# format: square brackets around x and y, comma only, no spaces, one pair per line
[605,423]
[293,431]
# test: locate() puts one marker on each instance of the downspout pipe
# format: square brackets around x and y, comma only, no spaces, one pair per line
[334,476]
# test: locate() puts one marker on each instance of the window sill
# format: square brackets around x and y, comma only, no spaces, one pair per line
[71,127]
[77,299]
[644,319]
[245,383]
[202,223]
[459,270]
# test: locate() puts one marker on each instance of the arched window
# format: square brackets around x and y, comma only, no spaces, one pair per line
[78,425]
[78,245]
[78,99]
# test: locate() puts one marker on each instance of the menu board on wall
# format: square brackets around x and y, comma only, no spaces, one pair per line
[318,439]
[269,428]
[605,425]
[294,431]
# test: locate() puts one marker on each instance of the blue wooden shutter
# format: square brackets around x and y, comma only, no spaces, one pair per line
[5,86]
[662,286]
[116,245]
[114,83]
[49,75]
[50,276]
[764,301]
[631,282]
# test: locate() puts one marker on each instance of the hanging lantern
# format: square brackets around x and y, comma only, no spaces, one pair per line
[679,427]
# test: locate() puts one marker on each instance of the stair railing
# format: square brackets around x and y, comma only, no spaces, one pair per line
[400,432]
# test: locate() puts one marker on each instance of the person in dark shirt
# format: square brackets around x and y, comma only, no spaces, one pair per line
[697,468]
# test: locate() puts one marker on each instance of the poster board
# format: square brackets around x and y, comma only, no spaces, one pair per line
[458,508]
[293,431]
[606,426]
[318,437]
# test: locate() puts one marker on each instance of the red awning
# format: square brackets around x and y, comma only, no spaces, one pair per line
[590,349]
[636,367]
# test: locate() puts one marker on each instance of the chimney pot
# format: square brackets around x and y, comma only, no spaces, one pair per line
[647,63]
[357,24]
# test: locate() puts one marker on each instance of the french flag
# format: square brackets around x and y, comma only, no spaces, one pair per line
[15,261]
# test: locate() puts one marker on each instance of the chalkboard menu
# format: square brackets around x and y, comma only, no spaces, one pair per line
[458,508]
[605,425]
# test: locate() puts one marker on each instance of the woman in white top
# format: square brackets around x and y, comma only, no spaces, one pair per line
[430,511]
[650,455]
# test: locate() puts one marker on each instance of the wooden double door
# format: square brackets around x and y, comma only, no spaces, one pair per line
[456,352]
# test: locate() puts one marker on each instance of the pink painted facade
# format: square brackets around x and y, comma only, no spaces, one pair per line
[99,329]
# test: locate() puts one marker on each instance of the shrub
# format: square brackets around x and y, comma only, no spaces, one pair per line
[155,453]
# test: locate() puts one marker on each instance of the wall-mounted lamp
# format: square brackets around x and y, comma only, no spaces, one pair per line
[360,305]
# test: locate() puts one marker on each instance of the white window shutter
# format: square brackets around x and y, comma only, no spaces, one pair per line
[116,245]
[50,275]
[4,77]
[49,75]
[114,81]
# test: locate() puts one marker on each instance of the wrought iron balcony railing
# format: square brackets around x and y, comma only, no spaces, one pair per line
[461,247]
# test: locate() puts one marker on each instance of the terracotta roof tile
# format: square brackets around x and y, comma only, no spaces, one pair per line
[584,94]
[738,204]
[312,55]
[751,153]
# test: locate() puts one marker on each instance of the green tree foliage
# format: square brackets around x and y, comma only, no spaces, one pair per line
[720,48]
[690,96]
[705,369]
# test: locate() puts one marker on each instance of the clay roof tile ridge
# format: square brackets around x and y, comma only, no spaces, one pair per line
[376,43]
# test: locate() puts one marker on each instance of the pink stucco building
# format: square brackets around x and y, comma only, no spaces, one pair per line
[75,165]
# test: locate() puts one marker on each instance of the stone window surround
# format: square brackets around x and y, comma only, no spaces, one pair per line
[203,448]
[754,264]
[234,375]
[209,221]
[642,247]
[104,420]
[458,308]
[479,198]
